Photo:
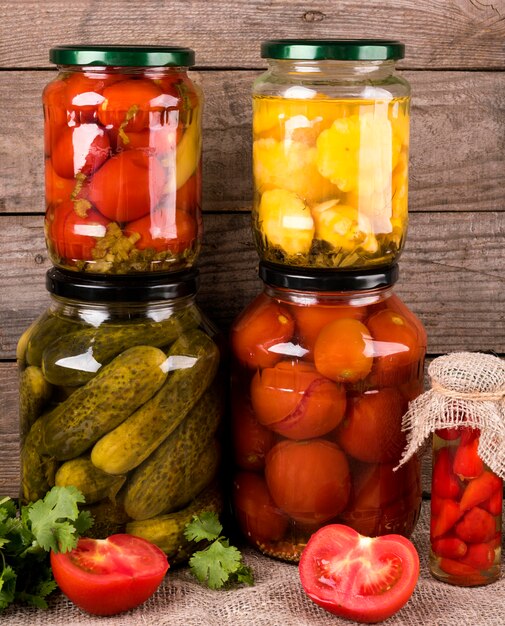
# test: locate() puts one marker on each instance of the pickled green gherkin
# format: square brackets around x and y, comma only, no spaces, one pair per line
[94,484]
[34,393]
[193,360]
[42,333]
[75,358]
[120,387]
[109,517]
[167,531]
[38,469]
[174,487]
[22,344]
[180,467]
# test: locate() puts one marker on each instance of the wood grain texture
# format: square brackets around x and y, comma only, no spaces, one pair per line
[438,33]
[9,430]
[452,276]
[457,140]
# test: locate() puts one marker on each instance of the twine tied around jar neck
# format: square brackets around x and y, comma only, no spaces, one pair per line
[467,390]
[490,396]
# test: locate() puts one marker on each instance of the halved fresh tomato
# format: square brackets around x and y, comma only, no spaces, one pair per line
[361,578]
[109,576]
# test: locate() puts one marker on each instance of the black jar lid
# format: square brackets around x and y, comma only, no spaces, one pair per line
[333,49]
[131,288]
[300,279]
[123,56]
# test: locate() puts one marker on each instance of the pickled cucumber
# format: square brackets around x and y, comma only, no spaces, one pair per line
[75,358]
[37,469]
[108,518]
[22,344]
[193,360]
[34,392]
[167,531]
[115,393]
[174,488]
[94,484]
[180,467]
[46,329]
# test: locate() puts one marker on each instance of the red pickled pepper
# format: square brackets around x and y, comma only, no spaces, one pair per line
[466,511]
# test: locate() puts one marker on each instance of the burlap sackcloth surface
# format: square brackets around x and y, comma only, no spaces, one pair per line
[277,599]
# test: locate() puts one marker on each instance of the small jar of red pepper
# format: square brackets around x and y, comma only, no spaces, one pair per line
[123,159]
[466,511]
[463,411]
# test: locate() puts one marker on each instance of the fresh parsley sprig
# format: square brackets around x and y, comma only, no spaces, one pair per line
[27,536]
[219,564]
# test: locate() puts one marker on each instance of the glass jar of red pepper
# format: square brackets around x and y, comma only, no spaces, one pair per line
[466,511]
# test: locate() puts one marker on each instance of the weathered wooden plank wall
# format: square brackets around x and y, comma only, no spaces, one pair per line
[453,268]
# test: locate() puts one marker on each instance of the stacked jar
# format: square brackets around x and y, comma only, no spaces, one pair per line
[120,390]
[327,357]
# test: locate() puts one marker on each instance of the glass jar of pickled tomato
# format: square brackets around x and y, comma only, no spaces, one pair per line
[330,154]
[324,367]
[122,159]
[466,511]
[121,396]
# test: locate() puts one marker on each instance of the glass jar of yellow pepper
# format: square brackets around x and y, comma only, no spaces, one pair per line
[330,153]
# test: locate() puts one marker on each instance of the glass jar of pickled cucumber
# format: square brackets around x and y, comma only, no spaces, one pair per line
[330,154]
[121,395]
[324,367]
[122,159]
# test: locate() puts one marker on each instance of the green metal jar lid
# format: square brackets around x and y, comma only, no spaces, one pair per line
[332,49]
[123,56]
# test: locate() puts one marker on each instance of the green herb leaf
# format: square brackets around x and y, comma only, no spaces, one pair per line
[49,517]
[27,536]
[244,575]
[83,522]
[215,564]
[219,564]
[7,586]
[206,526]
